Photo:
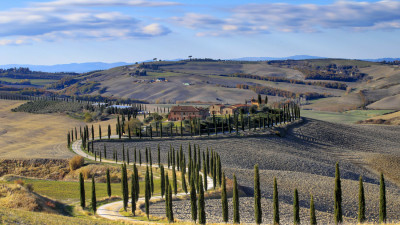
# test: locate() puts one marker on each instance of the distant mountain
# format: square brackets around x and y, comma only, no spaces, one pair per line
[382,59]
[295,57]
[72,67]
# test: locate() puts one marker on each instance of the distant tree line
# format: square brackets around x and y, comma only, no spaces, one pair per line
[333,85]
[282,93]
[26,73]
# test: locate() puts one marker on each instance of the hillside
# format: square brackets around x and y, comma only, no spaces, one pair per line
[331,84]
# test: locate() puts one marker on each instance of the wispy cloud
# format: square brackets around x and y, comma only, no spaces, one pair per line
[99,3]
[62,19]
[283,17]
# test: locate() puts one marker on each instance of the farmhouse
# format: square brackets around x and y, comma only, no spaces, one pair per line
[219,109]
[186,112]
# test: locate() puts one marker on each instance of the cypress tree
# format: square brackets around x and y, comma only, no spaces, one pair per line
[201,204]
[361,202]
[108,178]
[82,190]
[127,156]
[68,140]
[167,211]
[296,208]
[151,181]
[162,174]
[147,193]
[140,158]
[124,186]
[158,156]
[137,182]
[184,187]
[236,215]
[105,152]
[338,197]
[382,200]
[257,196]
[147,156]
[313,219]
[171,212]
[193,203]
[219,170]
[224,199]
[276,202]
[150,158]
[133,194]
[109,132]
[174,180]
[92,133]
[100,131]
[134,156]
[205,175]
[94,202]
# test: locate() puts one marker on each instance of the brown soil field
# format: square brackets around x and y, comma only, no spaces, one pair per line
[27,136]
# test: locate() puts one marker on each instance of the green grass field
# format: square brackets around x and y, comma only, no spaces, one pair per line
[351,116]
[163,74]
[37,82]
[68,192]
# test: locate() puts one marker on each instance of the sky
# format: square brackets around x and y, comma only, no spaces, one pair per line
[51,32]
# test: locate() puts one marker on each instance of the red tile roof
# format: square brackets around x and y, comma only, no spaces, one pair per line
[184,109]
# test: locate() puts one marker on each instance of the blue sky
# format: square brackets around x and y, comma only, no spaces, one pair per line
[65,31]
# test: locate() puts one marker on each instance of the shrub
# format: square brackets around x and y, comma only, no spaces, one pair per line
[29,187]
[76,162]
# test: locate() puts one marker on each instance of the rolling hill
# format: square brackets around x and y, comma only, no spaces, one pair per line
[323,84]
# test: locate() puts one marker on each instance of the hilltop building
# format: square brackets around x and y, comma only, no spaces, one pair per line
[219,109]
[186,112]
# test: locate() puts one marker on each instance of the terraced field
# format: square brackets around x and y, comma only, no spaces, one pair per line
[304,159]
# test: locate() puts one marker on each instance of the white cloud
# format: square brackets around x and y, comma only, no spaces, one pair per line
[284,17]
[100,3]
[62,19]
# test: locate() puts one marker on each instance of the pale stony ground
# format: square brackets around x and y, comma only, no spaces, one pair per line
[304,159]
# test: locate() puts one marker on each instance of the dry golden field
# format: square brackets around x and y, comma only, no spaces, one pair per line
[26,135]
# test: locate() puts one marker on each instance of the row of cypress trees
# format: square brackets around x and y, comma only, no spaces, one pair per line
[338,214]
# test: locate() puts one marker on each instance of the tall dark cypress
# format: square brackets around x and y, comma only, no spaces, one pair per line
[133,194]
[151,181]
[174,180]
[162,175]
[361,202]
[193,203]
[171,212]
[108,178]
[338,197]
[158,156]
[276,202]
[313,219]
[296,208]
[257,196]
[82,190]
[236,214]
[184,187]
[201,204]
[109,131]
[382,200]
[94,202]
[167,202]
[140,157]
[124,184]
[224,199]
[147,193]
[205,175]
[100,131]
